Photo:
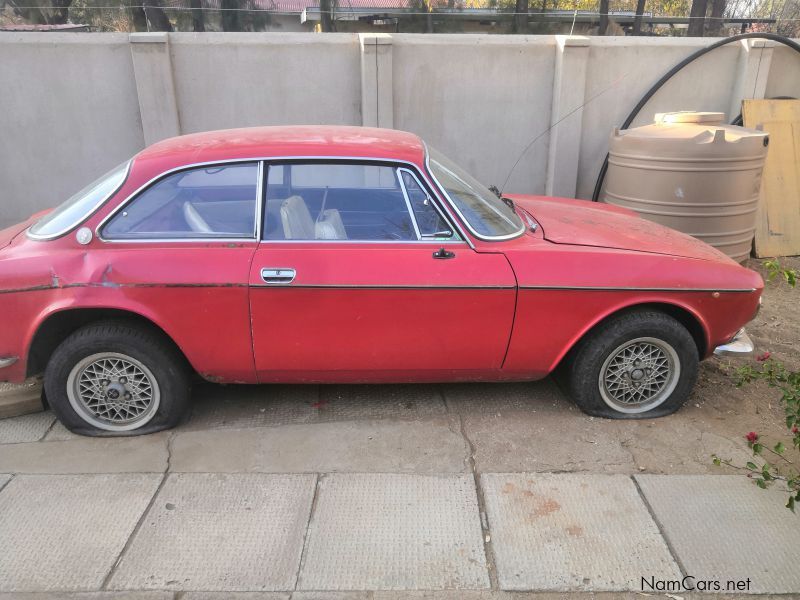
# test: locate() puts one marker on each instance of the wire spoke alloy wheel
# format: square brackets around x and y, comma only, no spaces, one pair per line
[639,375]
[113,391]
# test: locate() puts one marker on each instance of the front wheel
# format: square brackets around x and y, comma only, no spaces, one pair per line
[641,364]
[117,379]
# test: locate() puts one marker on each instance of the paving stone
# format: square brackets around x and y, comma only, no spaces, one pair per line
[394,531]
[218,532]
[723,527]
[244,406]
[143,454]
[28,428]
[362,446]
[572,532]
[66,532]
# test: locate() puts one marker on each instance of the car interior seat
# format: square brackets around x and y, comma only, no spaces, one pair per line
[298,224]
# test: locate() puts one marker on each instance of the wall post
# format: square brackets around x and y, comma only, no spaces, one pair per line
[152,68]
[755,60]
[377,105]
[569,86]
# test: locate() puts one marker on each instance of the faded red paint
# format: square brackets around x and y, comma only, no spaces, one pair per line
[500,311]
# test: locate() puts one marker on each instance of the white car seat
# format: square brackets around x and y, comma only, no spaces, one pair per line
[298,224]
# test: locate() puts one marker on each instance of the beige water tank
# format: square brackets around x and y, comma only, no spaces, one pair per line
[691,172]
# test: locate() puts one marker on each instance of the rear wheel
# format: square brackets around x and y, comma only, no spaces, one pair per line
[641,364]
[116,379]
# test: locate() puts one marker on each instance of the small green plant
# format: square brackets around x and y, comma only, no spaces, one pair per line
[776,270]
[779,462]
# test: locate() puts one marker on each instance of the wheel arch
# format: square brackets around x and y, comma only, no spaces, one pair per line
[60,324]
[684,315]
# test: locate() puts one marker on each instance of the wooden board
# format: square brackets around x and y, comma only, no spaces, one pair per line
[778,221]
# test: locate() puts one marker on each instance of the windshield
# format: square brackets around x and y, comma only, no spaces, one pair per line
[486,215]
[79,206]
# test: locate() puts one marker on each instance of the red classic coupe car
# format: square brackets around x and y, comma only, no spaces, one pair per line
[347,254]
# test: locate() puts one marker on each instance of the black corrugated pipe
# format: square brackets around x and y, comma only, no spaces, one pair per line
[651,92]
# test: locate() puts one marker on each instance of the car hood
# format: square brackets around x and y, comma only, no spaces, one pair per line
[584,223]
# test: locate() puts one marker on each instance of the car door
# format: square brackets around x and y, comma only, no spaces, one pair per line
[360,276]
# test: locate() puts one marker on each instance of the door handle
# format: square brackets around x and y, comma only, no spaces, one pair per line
[273,276]
[443,254]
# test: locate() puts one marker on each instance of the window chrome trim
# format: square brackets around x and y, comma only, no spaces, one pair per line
[436,208]
[85,217]
[487,238]
[411,167]
[131,197]
[408,203]
[267,160]
[260,188]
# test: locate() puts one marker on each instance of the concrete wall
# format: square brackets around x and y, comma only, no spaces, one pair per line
[73,105]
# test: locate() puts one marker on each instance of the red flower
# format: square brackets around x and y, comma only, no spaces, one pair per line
[763,357]
[795,430]
[752,437]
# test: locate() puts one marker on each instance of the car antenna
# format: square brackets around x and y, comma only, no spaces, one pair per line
[569,114]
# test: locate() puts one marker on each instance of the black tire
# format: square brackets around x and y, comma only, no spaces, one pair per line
[141,345]
[580,374]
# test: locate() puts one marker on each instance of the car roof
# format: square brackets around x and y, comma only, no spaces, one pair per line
[286,141]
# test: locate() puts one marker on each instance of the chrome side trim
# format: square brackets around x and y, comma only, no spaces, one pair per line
[487,238]
[632,289]
[8,361]
[386,287]
[95,208]
[740,345]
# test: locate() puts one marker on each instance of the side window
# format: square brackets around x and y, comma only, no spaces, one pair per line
[336,201]
[206,202]
[431,223]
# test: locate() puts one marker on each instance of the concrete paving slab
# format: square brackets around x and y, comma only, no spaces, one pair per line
[87,596]
[394,531]
[4,478]
[723,527]
[218,532]
[535,442]
[66,532]
[144,454]
[572,532]
[240,406]
[494,398]
[357,402]
[394,446]
[59,433]
[28,428]
[234,596]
